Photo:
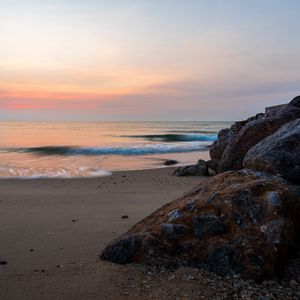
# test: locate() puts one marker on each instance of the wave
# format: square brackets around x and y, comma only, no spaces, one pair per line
[175,137]
[132,150]
[31,173]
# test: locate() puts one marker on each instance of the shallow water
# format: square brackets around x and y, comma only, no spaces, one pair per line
[84,149]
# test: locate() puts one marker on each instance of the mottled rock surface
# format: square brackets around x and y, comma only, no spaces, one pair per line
[238,222]
[278,154]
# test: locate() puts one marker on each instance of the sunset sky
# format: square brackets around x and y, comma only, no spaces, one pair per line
[146,59]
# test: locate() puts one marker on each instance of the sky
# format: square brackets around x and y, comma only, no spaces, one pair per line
[147,59]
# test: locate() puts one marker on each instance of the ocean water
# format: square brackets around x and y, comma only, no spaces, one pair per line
[89,149]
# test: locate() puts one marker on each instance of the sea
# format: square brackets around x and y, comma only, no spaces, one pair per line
[31,150]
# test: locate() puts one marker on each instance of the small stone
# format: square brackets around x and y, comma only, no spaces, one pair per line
[3,262]
[124,217]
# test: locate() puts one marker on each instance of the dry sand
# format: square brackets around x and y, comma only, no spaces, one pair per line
[52,231]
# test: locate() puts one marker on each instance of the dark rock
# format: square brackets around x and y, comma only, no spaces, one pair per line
[279,153]
[200,169]
[124,217]
[224,261]
[170,162]
[3,262]
[256,260]
[207,225]
[122,251]
[213,164]
[296,101]
[238,222]
[274,229]
[173,231]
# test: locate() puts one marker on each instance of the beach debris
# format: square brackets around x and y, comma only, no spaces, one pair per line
[124,217]
[75,220]
[3,262]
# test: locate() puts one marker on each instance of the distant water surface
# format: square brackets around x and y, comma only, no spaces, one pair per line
[88,149]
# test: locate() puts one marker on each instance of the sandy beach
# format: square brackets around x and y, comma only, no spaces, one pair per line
[52,231]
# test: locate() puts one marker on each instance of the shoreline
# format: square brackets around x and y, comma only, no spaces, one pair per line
[60,167]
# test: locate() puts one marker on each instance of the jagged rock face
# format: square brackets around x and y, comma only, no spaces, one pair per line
[278,154]
[238,222]
[231,148]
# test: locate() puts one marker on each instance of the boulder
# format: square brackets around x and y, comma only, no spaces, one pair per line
[227,136]
[279,153]
[200,169]
[238,222]
[242,136]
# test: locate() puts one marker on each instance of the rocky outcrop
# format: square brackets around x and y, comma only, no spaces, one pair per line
[199,169]
[234,143]
[279,153]
[239,222]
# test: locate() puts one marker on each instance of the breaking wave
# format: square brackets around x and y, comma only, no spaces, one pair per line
[132,150]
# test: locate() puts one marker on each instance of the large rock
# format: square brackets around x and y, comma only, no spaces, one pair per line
[231,148]
[279,153]
[227,136]
[217,148]
[239,222]
[199,169]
